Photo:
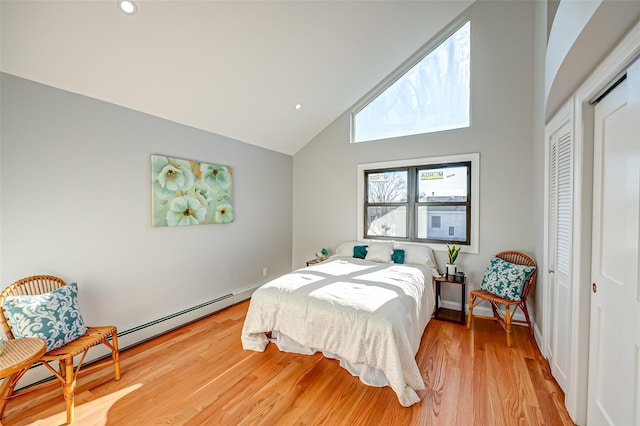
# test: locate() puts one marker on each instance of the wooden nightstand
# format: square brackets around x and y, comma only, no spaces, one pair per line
[314,261]
[440,312]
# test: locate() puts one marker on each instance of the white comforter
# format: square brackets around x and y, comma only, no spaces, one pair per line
[366,314]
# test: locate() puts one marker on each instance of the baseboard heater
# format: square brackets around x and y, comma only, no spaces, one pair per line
[144,332]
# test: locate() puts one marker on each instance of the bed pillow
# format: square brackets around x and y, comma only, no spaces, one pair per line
[53,317]
[346,248]
[398,256]
[505,279]
[420,255]
[360,251]
[379,252]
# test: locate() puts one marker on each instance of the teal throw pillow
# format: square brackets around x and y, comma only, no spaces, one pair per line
[53,317]
[360,252]
[505,279]
[398,256]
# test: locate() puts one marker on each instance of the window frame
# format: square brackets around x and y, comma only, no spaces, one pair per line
[407,203]
[466,203]
[473,199]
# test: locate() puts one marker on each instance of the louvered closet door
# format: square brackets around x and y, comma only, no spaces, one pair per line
[559,250]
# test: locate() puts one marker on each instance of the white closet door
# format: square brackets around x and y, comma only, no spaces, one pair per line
[559,248]
[614,349]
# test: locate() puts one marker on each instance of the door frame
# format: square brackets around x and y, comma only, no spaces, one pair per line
[614,63]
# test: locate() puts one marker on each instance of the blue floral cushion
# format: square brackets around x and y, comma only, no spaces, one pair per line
[360,252]
[398,256]
[505,279]
[53,317]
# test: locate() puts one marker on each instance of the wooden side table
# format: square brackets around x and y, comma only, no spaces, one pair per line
[16,359]
[463,287]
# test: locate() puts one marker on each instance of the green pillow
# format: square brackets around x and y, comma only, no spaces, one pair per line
[53,317]
[505,279]
[360,252]
[398,256]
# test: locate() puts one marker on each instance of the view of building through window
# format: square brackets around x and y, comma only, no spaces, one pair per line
[440,188]
[432,96]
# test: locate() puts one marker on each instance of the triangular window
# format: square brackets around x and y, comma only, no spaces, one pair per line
[432,95]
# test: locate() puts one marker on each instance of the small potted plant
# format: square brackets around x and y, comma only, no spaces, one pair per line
[452,252]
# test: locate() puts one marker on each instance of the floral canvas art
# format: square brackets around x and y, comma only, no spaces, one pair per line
[190,193]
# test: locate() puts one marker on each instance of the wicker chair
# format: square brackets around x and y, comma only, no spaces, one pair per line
[505,319]
[65,355]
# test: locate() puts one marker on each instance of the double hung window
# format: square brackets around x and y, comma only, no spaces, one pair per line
[429,203]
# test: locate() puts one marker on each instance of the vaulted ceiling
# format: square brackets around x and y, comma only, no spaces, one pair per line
[236,68]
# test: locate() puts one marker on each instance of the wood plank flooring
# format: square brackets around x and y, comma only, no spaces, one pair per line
[199,375]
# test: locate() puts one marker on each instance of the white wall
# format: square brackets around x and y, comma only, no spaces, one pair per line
[540,43]
[582,34]
[502,67]
[75,193]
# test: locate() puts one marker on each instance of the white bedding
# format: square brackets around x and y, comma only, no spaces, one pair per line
[369,315]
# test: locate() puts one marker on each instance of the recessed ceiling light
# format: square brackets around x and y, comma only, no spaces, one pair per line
[127,6]
[298,106]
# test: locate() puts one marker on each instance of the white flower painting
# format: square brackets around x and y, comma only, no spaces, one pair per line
[190,193]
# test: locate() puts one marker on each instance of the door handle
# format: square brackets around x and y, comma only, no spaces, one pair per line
[594,287]
[551,271]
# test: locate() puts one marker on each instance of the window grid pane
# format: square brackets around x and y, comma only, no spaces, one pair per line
[387,187]
[451,218]
[443,184]
[386,221]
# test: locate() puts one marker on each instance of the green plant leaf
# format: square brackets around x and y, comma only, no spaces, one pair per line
[452,252]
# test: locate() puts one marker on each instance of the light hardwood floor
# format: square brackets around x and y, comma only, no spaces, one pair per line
[199,375]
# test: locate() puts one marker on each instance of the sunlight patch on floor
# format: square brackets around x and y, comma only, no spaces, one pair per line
[99,409]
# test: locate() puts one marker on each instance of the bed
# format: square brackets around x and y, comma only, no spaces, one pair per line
[368,313]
